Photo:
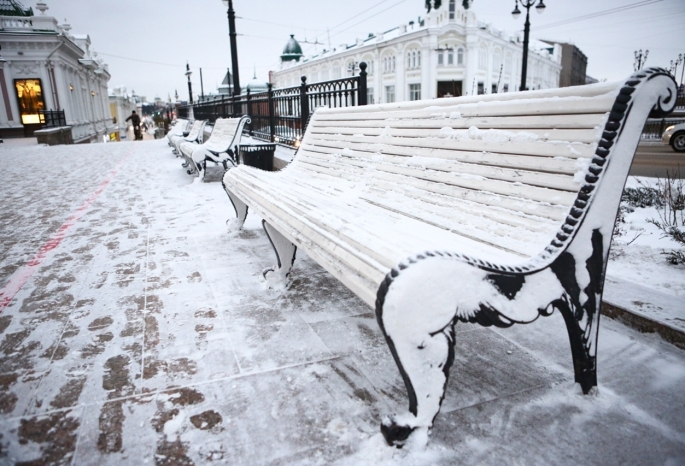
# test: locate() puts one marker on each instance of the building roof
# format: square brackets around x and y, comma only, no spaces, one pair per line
[14,8]
[292,50]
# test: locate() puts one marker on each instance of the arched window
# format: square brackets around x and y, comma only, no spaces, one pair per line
[496,61]
[460,56]
[483,58]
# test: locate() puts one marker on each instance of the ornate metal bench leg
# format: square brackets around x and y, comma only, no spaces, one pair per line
[235,224]
[285,257]
[581,309]
[419,330]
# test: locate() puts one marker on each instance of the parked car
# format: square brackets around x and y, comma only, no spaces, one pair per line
[675,136]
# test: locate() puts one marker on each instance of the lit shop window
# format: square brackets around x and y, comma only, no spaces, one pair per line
[30,97]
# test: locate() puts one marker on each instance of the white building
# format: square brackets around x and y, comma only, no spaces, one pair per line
[120,105]
[45,67]
[449,52]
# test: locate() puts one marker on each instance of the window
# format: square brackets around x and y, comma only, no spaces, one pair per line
[30,96]
[388,64]
[389,94]
[481,88]
[494,88]
[483,58]
[505,88]
[460,56]
[413,59]
[415,92]
[451,9]
[496,62]
[369,96]
[440,59]
[337,73]
[450,57]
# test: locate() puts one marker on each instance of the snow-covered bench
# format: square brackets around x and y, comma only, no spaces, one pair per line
[490,209]
[220,148]
[178,129]
[195,135]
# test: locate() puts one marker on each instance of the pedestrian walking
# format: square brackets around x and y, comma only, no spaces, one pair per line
[135,121]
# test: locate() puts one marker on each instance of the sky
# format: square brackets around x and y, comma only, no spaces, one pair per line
[147,42]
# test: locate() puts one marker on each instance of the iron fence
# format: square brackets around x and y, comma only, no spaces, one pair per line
[281,115]
[51,118]
[655,127]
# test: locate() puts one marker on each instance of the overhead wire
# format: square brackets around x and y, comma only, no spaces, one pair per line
[598,14]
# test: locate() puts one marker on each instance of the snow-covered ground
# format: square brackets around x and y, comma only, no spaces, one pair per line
[637,254]
[141,332]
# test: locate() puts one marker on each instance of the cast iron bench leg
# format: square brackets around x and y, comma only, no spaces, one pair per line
[285,256]
[235,224]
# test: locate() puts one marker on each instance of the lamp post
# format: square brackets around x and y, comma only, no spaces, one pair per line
[540,7]
[234,46]
[190,86]
[640,59]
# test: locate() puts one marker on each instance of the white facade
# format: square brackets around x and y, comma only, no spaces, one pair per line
[449,53]
[121,105]
[71,78]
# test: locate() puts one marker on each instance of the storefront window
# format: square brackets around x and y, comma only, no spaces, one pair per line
[30,97]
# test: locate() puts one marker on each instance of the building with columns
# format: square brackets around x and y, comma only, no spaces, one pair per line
[446,53]
[45,67]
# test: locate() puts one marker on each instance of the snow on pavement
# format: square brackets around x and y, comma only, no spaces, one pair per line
[146,336]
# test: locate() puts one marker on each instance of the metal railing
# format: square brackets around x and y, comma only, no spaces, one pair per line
[281,115]
[655,127]
[51,118]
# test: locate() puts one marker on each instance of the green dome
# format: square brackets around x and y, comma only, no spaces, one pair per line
[14,8]
[292,50]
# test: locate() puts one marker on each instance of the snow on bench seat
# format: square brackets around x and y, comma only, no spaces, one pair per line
[489,209]
[194,135]
[221,147]
[177,130]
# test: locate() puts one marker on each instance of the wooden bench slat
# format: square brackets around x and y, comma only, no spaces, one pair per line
[520,107]
[539,122]
[541,149]
[543,135]
[547,180]
[584,92]
[559,165]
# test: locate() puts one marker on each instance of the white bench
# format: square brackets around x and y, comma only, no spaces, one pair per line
[220,148]
[195,135]
[490,209]
[179,128]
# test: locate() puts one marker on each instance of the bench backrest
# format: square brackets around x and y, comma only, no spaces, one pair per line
[196,130]
[223,134]
[180,127]
[504,169]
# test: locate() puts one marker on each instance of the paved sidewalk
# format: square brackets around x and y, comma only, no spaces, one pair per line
[141,333]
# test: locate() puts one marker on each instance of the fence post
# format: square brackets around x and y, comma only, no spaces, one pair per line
[272,114]
[249,110]
[662,125]
[362,89]
[304,104]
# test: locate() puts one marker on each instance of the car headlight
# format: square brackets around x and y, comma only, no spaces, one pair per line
[670,128]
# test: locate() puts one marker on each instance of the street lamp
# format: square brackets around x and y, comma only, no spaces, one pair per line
[190,86]
[640,59]
[234,46]
[540,7]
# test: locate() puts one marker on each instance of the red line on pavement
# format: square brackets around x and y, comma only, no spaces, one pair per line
[21,276]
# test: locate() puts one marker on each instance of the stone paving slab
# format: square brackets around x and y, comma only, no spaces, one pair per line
[146,336]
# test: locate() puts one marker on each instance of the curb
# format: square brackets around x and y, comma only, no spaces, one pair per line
[643,324]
